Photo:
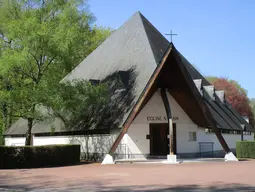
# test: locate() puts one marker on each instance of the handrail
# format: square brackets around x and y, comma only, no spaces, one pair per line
[127,152]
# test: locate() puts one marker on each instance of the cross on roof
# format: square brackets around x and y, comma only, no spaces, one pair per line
[171,35]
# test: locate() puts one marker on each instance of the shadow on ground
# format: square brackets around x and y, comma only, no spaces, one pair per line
[83,162]
[183,188]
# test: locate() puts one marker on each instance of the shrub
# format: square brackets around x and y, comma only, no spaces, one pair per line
[245,149]
[39,156]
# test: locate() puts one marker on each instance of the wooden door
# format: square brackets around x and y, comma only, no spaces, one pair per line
[158,139]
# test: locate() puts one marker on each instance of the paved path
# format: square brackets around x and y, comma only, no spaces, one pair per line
[207,176]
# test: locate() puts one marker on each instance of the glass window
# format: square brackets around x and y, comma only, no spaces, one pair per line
[192,136]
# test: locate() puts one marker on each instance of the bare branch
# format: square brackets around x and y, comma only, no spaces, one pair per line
[39,64]
[60,116]
[49,63]
[18,69]
[37,61]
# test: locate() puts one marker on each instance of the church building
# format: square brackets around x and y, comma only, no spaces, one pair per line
[170,110]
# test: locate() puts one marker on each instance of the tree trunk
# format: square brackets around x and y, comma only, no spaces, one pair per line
[29,138]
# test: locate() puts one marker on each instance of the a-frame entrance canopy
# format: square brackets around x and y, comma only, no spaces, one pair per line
[172,74]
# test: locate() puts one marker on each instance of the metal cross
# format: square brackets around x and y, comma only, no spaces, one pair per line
[171,35]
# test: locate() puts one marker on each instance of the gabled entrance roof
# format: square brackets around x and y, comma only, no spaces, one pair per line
[172,74]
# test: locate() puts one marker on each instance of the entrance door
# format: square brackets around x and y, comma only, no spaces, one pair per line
[159,141]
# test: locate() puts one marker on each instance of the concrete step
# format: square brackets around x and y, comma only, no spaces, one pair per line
[128,161]
[160,161]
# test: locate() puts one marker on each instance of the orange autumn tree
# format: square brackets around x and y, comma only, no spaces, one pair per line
[235,95]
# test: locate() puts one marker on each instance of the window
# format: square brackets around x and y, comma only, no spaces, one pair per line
[192,136]
[247,133]
[94,81]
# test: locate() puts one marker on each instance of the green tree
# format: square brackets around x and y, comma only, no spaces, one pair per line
[211,79]
[253,108]
[41,41]
[253,104]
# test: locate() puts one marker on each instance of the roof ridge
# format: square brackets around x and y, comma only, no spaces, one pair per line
[158,43]
[142,18]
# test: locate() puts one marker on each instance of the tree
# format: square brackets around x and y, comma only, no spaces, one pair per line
[235,94]
[211,79]
[253,105]
[253,110]
[41,41]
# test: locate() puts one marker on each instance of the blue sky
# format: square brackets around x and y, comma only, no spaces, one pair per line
[216,36]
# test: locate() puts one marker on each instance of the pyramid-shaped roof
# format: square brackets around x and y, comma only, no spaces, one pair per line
[137,45]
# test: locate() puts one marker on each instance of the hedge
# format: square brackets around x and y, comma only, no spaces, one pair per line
[38,156]
[245,149]
[1,157]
